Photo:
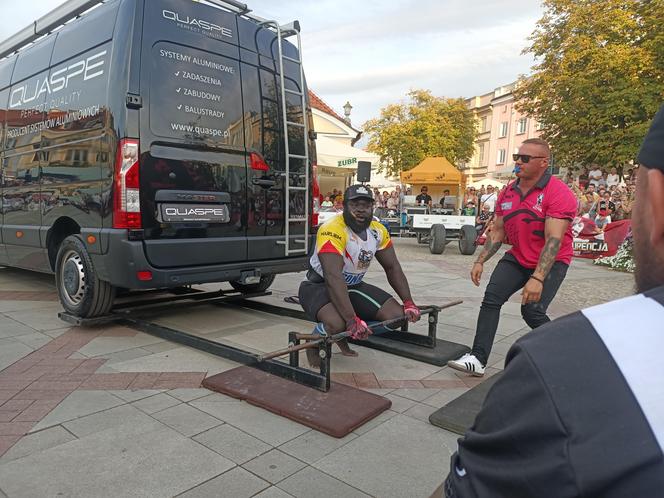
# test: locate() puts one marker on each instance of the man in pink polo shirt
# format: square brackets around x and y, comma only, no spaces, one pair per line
[533,214]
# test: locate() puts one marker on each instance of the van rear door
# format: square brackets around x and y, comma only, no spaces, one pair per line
[193,166]
[261,84]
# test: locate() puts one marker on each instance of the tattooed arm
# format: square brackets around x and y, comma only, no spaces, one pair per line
[554,231]
[493,242]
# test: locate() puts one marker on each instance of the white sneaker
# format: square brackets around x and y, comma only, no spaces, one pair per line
[468,363]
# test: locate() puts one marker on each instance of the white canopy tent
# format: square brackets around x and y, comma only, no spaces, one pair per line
[486,182]
[337,164]
[335,154]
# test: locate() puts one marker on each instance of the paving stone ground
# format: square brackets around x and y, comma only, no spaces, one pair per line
[115,412]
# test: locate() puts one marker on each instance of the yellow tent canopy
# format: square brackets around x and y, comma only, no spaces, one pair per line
[437,173]
[432,171]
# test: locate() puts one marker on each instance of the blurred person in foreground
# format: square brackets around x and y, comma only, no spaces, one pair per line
[579,408]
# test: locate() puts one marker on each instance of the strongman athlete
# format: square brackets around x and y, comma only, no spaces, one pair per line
[334,293]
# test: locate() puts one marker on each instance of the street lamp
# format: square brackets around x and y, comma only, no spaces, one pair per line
[347,109]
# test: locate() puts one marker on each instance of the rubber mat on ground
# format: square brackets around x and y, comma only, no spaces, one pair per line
[337,412]
[459,414]
[439,355]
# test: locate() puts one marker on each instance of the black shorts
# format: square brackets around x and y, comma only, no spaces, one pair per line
[366,299]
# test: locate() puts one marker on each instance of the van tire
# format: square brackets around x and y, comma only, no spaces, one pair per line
[467,237]
[80,291]
[263,285]
[438,239]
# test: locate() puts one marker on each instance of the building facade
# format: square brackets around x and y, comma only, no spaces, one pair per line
[502,129]
[337,157]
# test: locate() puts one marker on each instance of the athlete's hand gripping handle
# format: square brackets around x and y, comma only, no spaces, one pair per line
[358,328]
[411,311]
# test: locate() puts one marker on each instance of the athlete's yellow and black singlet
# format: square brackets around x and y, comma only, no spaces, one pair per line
[336,237]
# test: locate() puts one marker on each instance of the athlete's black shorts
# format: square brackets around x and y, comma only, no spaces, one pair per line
[366,299]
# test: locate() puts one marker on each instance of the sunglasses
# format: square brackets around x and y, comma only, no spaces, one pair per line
[525,158]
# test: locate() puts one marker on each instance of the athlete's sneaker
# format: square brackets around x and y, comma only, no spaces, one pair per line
[468,363]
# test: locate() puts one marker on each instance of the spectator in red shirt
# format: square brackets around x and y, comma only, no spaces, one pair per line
[533,214]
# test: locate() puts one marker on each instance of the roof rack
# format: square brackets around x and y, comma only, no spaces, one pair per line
[236,7]
[74,8]
[45,24]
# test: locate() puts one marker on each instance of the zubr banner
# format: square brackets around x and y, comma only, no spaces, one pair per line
[590,243]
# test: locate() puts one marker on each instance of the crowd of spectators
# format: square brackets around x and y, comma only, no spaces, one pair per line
[386,200]
[604,195]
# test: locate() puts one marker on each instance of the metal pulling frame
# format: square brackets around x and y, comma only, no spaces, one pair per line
[427,341]
[292,370]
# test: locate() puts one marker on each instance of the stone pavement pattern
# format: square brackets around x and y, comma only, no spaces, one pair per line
[115,412]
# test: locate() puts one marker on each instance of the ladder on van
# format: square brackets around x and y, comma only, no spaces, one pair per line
[295,246]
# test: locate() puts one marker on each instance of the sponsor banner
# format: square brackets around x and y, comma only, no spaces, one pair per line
[592,245]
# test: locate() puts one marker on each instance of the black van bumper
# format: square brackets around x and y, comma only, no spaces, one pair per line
[124,258]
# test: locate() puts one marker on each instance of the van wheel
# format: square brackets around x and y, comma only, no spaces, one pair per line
[80,291]
[467,238]
[438,239]
[263,285]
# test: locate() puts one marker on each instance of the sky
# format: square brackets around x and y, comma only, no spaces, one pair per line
[371,53]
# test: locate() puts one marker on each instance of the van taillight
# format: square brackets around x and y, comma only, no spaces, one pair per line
[126,198]
[315,192]
[257,162]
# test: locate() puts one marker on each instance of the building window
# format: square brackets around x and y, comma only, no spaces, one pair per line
[76,156]
[503,129]
[538,125]
[522,126]
[481,154]
[484,124]
[501,156]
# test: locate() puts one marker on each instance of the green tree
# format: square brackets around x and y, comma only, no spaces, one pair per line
[598,78]
[426,126]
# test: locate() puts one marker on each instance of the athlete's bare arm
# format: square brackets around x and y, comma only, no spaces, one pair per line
[336,285]
[395,275]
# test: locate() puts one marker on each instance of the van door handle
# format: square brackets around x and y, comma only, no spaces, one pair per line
[264,182]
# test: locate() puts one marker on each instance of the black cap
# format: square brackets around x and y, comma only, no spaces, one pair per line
[651,154]
[358,192]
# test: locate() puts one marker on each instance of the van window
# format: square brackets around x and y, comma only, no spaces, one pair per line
[6,69]
[25,113]
[76,102]
[191,22]
[33,59]
[195,96]
[97,29]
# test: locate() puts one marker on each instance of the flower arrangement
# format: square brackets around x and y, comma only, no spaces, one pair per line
[623,260]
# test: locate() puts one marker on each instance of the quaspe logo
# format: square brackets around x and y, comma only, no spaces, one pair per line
[192,22]
[220,212]
[88,68]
